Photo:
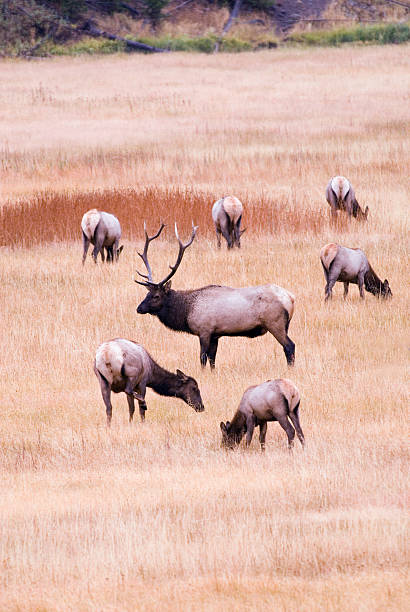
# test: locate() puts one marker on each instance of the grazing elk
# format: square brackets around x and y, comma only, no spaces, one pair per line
[103,230]
[273,400]
[123,365]
[214,311]
[340,195]
[350,266]
[227,216]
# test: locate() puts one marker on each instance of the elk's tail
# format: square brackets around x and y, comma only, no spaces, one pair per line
[327,254]
[109,360]
[290,394]
[89,223]
[341,187]
[233,208]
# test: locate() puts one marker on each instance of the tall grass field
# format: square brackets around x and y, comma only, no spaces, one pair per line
[157,516]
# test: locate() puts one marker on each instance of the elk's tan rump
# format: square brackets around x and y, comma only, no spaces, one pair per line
[340,186]
[89,222]
[328,253]
[233,207]
[112,355]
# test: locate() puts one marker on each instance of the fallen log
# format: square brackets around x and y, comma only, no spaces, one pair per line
[90,29]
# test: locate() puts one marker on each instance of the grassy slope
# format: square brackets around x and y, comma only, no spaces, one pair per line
[158,514]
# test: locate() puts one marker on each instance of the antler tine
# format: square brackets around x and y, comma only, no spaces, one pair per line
[182,248]
[144,255]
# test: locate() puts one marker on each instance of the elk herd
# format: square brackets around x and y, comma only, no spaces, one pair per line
[215,311]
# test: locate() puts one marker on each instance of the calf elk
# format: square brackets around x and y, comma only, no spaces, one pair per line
[123,365]
[273,400]
[214,311]
[103,230]
[350,266]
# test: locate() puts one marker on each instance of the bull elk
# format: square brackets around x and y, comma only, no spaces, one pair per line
[350,266]
[214,311]
[340,196]
[103,230]
[125,366]
[273,400]
[227,216]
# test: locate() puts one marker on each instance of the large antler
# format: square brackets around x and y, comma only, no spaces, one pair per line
[144,256]
[182,248]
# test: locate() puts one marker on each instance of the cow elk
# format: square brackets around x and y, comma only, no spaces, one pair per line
[350,266]
[273,400]
[227,216]
[125,366]
[214,311]
[103,230]
[340,195]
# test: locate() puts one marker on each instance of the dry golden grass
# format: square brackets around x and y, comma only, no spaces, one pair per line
[157,516]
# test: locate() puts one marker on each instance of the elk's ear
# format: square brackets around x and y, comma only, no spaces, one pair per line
[120,249]
[182,376]
[167,286]
[223,427]
[366,212]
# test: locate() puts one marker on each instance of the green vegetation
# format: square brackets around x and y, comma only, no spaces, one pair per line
[201,44]
[86,46]
[381,34]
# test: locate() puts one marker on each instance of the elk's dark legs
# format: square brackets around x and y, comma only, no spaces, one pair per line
[290,432]
[137,391]
[142,407]
[110,254]
[237,231]
[227,235]
[131,405]
[346,290]
[330,284]
[106,394]
[360,282]
[204,342]
[98,248]
[334,273]
[218,238]
[250,426]
[289,349]
[283,339]
[294,417]
[86,244]
[213,347]
[262,434]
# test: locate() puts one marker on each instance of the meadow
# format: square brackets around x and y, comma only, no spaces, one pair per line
[156,516]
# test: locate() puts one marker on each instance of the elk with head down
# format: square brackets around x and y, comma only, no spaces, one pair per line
[340,196]
[103,230]
[214,311]
[227,216]
[273,400]
[125,366]
[350,266]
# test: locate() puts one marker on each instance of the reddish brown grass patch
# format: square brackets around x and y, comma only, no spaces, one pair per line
[50,217]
